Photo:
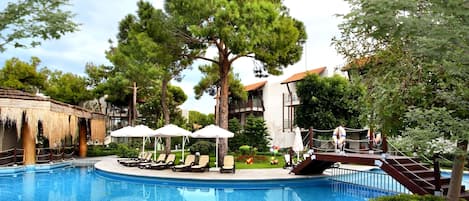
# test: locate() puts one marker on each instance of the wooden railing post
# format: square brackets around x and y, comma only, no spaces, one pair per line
[437,175]
[63,152]
[370,139]
[311,137]
[385,144]
[14,155]
[50,154]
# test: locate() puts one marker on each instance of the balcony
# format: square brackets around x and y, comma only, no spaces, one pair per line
[290,101]
[253,105]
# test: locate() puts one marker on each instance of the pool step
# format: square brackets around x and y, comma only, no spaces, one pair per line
[445,188]
[420,173]
[411,166]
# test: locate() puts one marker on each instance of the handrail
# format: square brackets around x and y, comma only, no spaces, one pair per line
[359,150]
[367,178]
[411,172]
[10,156]
[4,151]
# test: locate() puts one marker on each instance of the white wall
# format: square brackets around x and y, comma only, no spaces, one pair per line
[272,96]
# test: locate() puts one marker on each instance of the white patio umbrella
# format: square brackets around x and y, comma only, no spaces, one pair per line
[122,132]
[172,130]
[212,131]
[145,132]
[298,143]
[137,131]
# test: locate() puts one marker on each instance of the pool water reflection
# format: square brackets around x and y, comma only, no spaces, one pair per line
[85,183]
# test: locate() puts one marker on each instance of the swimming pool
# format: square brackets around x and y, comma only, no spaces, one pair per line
[86,183]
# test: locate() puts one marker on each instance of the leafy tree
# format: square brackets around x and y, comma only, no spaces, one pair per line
[328,102]
[211,118]
[210,83]
[97,76]
[146,42]
[433,131]
[67,87]
[152,111]
[412,55]
[255,132]
[25,21]
[17,74]
[109,81]
[261,30]
[239,138]
[198,120]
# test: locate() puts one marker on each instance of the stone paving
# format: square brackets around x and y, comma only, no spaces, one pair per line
[110,164]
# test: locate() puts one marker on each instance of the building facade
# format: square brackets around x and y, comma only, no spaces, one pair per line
[275,100]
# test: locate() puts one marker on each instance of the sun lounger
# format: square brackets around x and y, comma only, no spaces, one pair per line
[190,159]
[140,156]
[288,162]
[228,164]
[166,164]
[203,165]
[161,158]
[135,163]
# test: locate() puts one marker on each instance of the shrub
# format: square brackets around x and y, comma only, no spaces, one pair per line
[245,149]
[112,145]
[408,197]
[203,147]
[99,150]
[125,152]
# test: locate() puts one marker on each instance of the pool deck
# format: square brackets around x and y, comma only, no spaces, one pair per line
[110,164]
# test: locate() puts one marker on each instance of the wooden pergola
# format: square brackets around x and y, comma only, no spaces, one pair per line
[26,119]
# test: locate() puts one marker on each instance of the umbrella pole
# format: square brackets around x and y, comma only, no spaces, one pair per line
[143,144]
[216,154]
[183,142]
[154,150]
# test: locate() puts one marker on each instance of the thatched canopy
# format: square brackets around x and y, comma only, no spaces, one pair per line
[58,119]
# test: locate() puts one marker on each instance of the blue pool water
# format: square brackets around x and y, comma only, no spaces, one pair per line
[465,178]
[85,183]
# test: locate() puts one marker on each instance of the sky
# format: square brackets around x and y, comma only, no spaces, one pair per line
[99,22]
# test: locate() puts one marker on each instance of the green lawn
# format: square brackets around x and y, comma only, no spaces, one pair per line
[260,162]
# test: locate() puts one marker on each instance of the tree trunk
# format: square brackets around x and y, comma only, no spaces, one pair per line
[223,104]
[134,103]
[83,147]
[164,106]
[454,190]
[29,142]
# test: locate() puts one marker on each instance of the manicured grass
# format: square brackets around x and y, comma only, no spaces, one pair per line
[258,165]
[260,161]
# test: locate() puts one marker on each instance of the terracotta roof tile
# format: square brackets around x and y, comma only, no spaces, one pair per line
[254,86]
[300,76]
[357,63]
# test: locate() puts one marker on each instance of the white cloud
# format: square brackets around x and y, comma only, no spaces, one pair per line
[100,20]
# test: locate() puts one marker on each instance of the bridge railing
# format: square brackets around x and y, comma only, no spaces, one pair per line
[46,155]
[367,145]
[11,157]
[370,179]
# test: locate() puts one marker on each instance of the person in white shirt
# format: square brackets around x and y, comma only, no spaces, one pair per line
[339,136]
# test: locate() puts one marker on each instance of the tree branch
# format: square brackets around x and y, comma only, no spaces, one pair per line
[206,59]
[239,56]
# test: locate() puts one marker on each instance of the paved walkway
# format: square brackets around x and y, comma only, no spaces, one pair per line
[110,164]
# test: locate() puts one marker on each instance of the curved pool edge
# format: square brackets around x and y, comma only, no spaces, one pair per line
[113,167]
[34,168]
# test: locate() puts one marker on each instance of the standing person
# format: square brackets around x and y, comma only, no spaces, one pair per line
[339,136]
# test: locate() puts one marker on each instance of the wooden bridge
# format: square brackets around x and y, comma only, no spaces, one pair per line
[416,176]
